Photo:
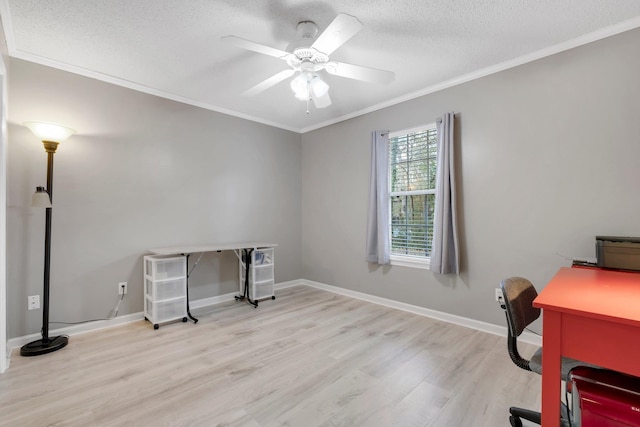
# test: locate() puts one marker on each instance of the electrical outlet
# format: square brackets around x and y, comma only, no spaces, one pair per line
[34,302]
[122,288]
[499,296]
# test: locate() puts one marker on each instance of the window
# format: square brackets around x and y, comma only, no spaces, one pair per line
[412,182]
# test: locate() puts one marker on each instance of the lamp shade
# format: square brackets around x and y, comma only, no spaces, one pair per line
[40,198]
[318,86]
[50,131]
[300,87]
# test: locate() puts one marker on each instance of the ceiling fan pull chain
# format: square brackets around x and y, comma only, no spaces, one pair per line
[308,96]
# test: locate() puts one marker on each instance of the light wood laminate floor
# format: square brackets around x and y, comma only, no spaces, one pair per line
[310,358]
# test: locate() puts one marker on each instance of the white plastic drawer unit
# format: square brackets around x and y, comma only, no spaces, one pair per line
[261,274]
[165,289]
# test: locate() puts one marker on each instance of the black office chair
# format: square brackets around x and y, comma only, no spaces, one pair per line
[518,294]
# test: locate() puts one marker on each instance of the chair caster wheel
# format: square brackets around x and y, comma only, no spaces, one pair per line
[184,319]
[156,326]
[273,297]
[515,422]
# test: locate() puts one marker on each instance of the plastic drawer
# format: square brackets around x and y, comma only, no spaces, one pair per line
[263,272]
[263,256]
[160,268]
[167,310]
[261,290]
[166,289]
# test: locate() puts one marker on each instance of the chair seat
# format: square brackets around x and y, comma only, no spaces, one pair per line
[567,364]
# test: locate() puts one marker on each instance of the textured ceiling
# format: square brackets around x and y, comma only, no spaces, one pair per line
[172,48]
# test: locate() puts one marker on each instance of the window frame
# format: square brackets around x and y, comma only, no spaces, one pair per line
[410,261]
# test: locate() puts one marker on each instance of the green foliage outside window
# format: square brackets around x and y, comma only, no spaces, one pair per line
[412,180]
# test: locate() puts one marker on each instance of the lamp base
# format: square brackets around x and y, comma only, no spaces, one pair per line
[42,346]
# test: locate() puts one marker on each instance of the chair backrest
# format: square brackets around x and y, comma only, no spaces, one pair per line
[519,294]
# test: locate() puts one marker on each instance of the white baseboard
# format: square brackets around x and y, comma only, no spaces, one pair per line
[289,284]
[128,318]
[438,315]
[205,302]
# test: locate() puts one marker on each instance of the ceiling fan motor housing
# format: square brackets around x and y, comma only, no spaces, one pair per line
[301,48]
[307,29]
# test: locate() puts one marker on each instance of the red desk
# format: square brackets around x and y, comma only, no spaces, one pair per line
[591,315]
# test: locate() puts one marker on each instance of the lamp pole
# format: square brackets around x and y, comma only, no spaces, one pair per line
[47,344]
[50,147]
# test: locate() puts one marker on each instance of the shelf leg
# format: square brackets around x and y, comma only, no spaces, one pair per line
[187,284]
[247,266]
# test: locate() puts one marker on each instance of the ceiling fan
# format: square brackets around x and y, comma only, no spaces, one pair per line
[308,55]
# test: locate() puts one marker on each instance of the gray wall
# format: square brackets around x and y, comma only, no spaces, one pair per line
[142,172]
[549,156]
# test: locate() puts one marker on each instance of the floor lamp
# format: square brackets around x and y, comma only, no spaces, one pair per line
[51,135]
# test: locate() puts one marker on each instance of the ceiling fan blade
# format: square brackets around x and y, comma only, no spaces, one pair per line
[358,72]
[341,29]
[266,84]
[322,101]
[256,47]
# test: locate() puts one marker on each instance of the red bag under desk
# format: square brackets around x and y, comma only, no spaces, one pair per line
[603,398]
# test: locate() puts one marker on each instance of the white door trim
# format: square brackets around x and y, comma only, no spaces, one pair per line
[4,357]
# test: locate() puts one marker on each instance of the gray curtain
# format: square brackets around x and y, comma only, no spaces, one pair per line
[445,257]
[378,214]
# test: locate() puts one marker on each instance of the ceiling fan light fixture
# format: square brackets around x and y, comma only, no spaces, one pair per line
[318,86]
[300,87]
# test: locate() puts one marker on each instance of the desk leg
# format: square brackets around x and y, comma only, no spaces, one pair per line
[247,264]
[188,310]
[551,363]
